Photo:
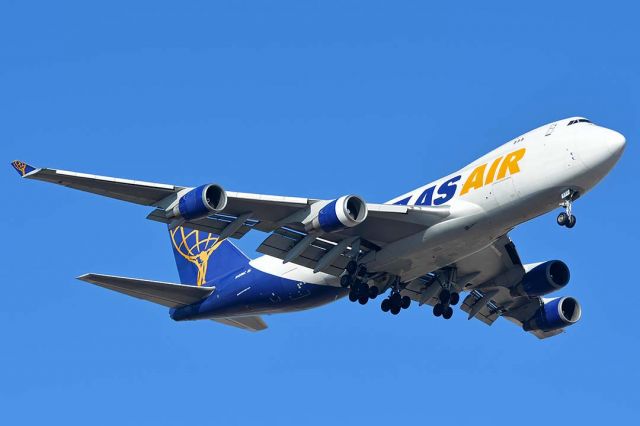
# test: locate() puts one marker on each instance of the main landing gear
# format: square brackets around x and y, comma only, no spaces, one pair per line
[395,302]
[566,218]
[448,296]
[356,279]
[443,307]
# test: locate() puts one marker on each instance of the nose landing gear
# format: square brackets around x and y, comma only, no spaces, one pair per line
[566,218]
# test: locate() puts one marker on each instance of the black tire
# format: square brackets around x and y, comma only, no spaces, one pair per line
[362,290]
[351,268]
[363,299]
[448,313]
[438,309]
[396,301]
[571,223]
[385,305]
[454,299]
[395,310]
[373,292]
[345,281]
[405,302]
[444,296]
[353,296]
[562,219]
[361,271]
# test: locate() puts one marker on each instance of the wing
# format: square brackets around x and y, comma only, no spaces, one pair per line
[331,252]
[278,215]
[133,191]
[489,275]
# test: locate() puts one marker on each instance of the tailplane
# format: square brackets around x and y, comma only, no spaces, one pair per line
[170,295]
[202,257]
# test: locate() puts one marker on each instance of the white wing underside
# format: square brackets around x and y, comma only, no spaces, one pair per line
[489,275]
[267,213]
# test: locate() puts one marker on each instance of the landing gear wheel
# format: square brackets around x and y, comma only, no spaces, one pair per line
[454,299]
[395,310]
[438,309]
[447,313]
[353,296]
[363,290]
[395,299]
[385,305]
[373,292]
[405,302]
[361,271]
[345,281]
[562,219]
[567,218]
[351,268]
[363,299]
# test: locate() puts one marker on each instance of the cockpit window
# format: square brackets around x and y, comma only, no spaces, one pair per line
[581,120]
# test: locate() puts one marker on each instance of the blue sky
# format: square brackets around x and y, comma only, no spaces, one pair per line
[316,99]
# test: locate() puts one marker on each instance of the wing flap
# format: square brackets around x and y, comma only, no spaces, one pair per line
[162,293]
[481,306]
[213,224]
[282,241]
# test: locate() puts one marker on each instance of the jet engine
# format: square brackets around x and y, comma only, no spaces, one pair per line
[200,202]
[555,314]
[344,212]
[545,278]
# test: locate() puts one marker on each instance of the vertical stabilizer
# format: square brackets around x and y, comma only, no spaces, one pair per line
[202,257]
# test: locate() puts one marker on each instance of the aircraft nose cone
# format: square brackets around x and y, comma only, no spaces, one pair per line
[600,148]
[616,142]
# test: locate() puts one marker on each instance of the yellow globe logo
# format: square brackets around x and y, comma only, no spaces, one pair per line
[20,167]
[196,247]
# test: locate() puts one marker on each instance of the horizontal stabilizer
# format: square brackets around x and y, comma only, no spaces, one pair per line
[250,323]
[162,293]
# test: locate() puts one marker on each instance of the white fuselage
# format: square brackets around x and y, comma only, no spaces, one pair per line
[514,183]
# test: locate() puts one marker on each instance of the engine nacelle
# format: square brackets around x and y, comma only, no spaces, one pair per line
[200,202]
[345,212]
[545,278]
[555,314]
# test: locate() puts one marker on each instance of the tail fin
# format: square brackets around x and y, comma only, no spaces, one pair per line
[202,257]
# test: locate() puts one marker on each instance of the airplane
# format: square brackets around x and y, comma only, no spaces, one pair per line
[424,247]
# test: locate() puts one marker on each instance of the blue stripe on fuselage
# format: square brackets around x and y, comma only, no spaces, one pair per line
[253,292]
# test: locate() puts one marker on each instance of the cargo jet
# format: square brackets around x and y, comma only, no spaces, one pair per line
[425,247]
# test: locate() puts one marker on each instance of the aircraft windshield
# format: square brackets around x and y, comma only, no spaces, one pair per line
[581,120]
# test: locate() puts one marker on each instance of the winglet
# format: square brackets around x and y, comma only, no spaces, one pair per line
[22,168]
